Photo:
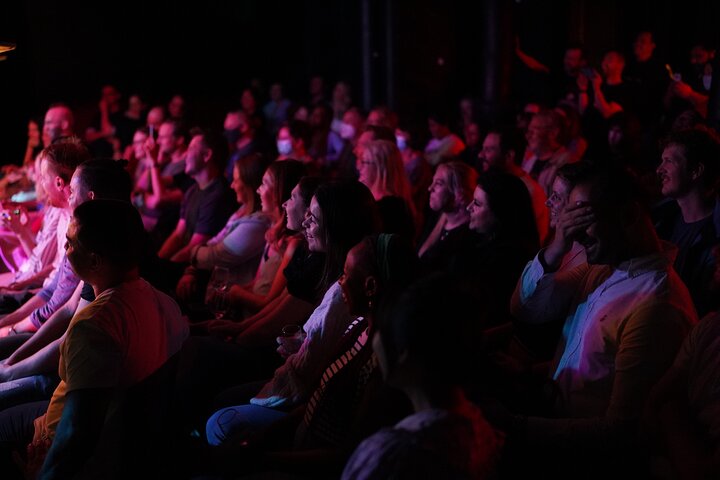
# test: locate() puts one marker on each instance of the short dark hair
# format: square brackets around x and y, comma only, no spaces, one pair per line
[300,129]
[113,230]
[215,142]
[106,178]
[574,173]
[511,140]
[700,145]
[308,185]
[613,190]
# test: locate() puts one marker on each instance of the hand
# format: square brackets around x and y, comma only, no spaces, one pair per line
[289,345]
[7,331]
[572,223]
[186,287]
[596,80]
[152,150]
[15,219]
[5,371]
[36,453]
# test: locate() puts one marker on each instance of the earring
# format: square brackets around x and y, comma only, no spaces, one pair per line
[370,304]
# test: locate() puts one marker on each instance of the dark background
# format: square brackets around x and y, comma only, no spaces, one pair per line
[425,54]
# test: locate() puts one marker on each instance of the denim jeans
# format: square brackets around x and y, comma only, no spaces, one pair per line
[241,420]
[26,390]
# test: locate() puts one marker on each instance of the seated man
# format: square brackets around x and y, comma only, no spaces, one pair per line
[126,334]
[58,163]
[208,204]
[684,406]
[626,311]
[690,219]
[29,373]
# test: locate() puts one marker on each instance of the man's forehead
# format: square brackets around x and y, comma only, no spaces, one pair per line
[581,193]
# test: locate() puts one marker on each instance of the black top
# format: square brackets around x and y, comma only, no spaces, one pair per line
[396,217]
[303,274]
[438,256]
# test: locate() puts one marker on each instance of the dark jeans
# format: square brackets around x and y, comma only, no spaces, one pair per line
[16,432]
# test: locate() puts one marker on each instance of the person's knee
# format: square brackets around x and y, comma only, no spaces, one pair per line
[222,424]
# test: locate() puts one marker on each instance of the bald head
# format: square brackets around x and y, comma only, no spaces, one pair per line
[58,123]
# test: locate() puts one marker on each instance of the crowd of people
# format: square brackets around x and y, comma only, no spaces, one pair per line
[307,293]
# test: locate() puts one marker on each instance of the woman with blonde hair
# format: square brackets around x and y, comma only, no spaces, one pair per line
[382,170]
[450,191]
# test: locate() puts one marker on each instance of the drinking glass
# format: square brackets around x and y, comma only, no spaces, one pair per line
[217,292]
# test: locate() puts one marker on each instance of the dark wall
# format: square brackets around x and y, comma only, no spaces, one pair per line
[211,49]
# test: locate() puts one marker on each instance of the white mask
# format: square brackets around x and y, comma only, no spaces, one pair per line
[347,131]
[401,142]
[284,147]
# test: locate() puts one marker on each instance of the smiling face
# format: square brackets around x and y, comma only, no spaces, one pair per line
[167,143]
[491,153]
[352,282]
[139,144]
[295,209]
[673,173]
[558,199]
[196,154]
[265,190]
[238,186]
[314,229]
[482,219]
[539,134]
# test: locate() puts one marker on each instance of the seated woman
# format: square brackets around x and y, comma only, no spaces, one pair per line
[280,242]
[450,192]
[240,244]
[447,436]
[341,213]
[381,169]
[295,304]
[349,401]
[505,236]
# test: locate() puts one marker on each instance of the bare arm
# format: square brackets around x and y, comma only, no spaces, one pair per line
[51,330]
[290,311]
[530,62]
[23,312]
[174,242]
[253,301]
[183,255]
